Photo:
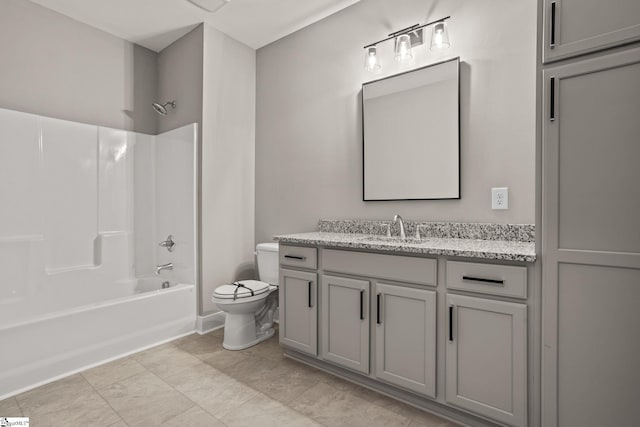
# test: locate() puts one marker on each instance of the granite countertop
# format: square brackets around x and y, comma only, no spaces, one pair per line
[509,250]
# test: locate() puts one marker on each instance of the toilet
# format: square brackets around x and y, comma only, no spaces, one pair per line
[249,305]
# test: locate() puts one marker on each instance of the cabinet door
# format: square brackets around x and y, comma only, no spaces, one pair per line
[591,243]
[345,322]
[486,358]
[406,337]
[576,27]
[298,310]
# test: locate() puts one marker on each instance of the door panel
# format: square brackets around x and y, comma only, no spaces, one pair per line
[576,27]
[345,322]
[486,358]
[298,302]
[406,337]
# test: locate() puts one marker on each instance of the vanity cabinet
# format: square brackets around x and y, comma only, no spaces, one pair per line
[405,334]
[345,322]
[404,316]
[486,362]
[397,323]
[577,27]
[298,302]
[486,350]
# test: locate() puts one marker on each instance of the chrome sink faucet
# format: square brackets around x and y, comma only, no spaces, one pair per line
[398,218]
[167,266]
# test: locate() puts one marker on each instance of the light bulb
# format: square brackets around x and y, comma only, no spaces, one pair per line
[371,62]
[440,36]
[403,48]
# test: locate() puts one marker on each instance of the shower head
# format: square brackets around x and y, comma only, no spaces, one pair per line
[162,108]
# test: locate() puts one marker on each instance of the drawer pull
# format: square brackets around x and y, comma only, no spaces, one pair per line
[552,99]
[552,40]
[309,303]
[483,280]
[299,258]
[450,323]
[362,305]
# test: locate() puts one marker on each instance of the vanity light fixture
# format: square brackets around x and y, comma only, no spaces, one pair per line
[405,39]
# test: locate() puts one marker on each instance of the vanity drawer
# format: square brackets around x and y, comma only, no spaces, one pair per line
[390,267]
[487,278]
[299,256]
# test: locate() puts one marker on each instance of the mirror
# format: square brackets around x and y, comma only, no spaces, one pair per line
[411,135]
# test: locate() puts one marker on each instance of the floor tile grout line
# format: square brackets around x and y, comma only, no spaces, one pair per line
[19,406]
[195,404]
[242,382]
[105,400]
[119,380]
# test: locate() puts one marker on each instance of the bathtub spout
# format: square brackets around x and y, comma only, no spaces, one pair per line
[167,266]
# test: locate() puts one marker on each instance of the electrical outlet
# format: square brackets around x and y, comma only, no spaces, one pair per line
[499,198]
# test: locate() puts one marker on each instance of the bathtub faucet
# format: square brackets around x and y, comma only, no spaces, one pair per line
[167,266]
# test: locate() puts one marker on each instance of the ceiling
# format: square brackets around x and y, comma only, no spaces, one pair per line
[155,24]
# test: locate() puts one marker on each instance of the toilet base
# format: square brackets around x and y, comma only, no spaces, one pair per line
[231,346]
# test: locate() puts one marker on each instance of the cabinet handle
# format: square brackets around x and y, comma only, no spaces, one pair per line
[299,258]
[552,40]
[450,323]
[378,321]
[482,279]
[362,305]
[309,287]
[552,99]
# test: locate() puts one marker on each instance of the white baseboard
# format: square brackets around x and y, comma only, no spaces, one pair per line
[209,322]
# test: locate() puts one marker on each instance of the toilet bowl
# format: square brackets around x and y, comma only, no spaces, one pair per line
[249,305]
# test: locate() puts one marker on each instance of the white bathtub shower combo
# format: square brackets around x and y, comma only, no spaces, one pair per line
[83,211]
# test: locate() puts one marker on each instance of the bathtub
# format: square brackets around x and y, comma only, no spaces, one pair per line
[83,329]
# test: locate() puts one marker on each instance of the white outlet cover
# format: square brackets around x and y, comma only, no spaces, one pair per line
[500,198]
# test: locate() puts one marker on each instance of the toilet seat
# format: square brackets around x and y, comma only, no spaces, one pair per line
[241,290]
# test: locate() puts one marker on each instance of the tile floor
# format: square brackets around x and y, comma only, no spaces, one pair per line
[193,381]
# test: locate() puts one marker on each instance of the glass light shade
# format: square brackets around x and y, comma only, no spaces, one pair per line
[371,62]
[440,36]
[403,48]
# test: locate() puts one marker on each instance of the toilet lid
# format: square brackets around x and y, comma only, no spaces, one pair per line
[241,289]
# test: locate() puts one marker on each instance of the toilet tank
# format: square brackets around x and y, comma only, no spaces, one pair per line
[267,254]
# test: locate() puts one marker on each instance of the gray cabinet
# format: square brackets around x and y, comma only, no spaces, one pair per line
[576,27]
[298,310]
[406,337]
[591,242]
[345,322]
[486,359]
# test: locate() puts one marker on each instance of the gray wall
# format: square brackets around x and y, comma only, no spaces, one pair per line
[308,123]
[212,79]
[228,147]
[57,67]
[180,80]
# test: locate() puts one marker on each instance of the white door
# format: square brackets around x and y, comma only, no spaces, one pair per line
[298,310]
[486,357]
[345,322]
[591,242]
[406,337]
[576,27]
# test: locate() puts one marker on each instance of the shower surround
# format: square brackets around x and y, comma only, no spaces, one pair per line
[82,211]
